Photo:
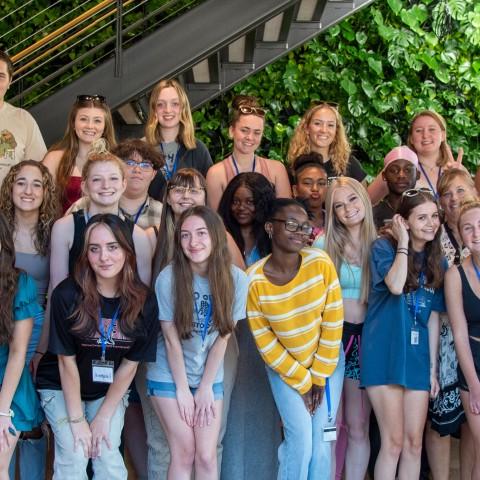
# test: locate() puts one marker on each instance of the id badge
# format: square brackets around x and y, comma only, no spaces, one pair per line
[102,371]
[414,336]
[329,433]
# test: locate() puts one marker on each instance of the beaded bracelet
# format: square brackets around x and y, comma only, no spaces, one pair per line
[76,420]
[10,413]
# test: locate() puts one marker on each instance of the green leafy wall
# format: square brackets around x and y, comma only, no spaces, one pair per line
[382,65]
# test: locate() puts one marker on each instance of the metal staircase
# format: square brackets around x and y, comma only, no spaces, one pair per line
[209,49]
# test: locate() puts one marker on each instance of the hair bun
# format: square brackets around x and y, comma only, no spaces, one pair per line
[99,146]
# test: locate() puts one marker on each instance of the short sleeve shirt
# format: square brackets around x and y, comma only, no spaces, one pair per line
[196,348]
[87,348]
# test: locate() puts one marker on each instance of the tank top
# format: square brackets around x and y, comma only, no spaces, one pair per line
[38,267]
[471,305]
[79,227]
[261,167]
[73,191]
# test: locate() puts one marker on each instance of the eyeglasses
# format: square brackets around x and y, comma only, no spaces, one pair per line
[412,192]
[142,165]
[91,98]
[248,110]
[180,191]
[293,226]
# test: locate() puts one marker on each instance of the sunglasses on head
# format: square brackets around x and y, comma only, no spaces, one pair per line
[248,110]
[412,192]
[319,103]
[91,98]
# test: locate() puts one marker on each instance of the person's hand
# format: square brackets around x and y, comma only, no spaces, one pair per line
[100,428]
[474,399]
[33,365]
[7,433]
[399,230]
[205,410]
[317,397]
[308,401]
[186,406]
[82,437]
[434,385]
[452,162]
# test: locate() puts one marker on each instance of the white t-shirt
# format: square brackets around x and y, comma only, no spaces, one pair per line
[20,138]
[195,349]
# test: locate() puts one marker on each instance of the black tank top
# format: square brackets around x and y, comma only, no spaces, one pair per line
[79,227]
[471,305]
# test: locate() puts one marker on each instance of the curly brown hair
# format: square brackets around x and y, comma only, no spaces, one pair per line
[8,280]
[49,209]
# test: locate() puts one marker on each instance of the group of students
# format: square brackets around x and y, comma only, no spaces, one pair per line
[124,297]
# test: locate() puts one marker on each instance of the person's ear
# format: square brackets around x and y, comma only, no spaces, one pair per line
[383,176]
[294,190]
[269,229]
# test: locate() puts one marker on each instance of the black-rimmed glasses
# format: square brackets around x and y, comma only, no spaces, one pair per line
[293,226]
[91,98]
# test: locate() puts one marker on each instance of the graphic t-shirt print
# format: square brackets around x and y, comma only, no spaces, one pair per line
[7,147]
[115,338]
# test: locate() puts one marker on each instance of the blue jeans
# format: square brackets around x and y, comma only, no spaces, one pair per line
[73,465]
[303,455]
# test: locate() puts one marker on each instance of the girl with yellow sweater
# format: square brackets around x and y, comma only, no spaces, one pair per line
[295,312]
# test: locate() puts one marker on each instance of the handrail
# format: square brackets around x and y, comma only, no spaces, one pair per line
[61,30]
[67,40]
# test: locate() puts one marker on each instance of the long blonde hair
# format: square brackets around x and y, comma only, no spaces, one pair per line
[186,133]
[443,156]
[337,235]
[339,151]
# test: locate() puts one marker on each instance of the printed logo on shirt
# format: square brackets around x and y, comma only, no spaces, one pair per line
[7,146]
[202,307]
[117,338]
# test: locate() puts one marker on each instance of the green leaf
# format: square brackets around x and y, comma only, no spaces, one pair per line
[428,60]
[361,38]
[395,5]
[355,106]
[367,88]
[376,66]
[442,74]
[348,86]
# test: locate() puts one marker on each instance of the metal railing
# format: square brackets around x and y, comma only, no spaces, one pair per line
[52,46]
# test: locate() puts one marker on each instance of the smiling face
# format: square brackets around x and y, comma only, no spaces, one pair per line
[284,241]
[168,108]
[247,133]
[400,175]
[312,185]
[348,207]
[426,135]
[452,198]
[469,229]
[322,129]
[243,206]
[105,184]
[181,198]
[196,242]
[89,124]
[105,255]
[423,223]
[27,189]
[5,79]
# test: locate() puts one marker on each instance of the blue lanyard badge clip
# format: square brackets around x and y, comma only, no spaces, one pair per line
[102,370]
[414,300]
[330,430]
[168,174]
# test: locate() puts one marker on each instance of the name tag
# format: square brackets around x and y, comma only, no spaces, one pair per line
[414,336]
[329,434]
[102,371]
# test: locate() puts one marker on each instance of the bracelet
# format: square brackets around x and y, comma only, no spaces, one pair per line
[10,413]
[401,251]
[76,420]
[40,353]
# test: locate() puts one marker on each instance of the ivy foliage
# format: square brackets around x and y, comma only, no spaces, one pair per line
[382,65]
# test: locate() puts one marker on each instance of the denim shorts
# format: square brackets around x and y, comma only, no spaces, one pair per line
[169,389]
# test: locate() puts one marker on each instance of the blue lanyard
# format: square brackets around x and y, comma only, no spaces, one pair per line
[477,271]
[236,165]
[103,337]
[140,210]
[329,401]
[169,173]
[414,299]
[208,316]
[435,194]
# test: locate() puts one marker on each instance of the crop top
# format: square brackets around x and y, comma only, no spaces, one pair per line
[350,276]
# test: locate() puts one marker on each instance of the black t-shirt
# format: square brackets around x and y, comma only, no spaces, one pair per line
[382,211]
[354,169]
[143,347]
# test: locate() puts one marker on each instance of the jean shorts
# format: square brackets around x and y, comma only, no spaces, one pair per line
[169,389]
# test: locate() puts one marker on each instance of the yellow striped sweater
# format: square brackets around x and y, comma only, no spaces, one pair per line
[298,326]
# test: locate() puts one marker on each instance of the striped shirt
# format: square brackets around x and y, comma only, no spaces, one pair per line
[298,326]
